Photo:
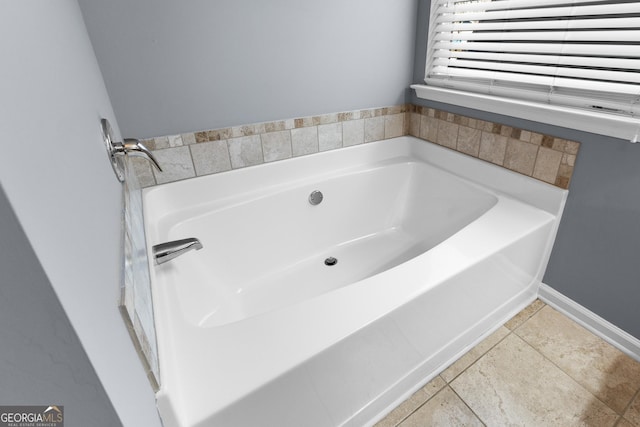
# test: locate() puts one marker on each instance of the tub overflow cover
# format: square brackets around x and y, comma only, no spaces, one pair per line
[315,197]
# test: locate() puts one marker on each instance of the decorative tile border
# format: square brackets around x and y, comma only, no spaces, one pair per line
[189,155]
[218,150]
[539,156]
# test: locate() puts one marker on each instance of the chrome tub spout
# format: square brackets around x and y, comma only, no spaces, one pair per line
[167,251]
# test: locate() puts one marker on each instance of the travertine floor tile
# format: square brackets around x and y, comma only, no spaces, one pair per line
[633,413]
[412,403]
[625,423]
[515,385]
[601,368]
[444,409]
[524,315]
[474,354]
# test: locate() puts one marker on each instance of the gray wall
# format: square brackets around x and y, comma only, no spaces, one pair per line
[182,66]
[596,257]
[56,176]
[41,359]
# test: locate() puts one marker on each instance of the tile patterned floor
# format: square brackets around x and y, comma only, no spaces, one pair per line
[539,369]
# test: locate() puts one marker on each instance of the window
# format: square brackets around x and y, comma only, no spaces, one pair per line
[577,59]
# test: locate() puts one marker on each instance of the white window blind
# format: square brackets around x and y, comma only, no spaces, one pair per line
[578,54]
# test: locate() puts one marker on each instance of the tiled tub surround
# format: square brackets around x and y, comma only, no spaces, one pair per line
[532,154]
[201,153]
[206,152]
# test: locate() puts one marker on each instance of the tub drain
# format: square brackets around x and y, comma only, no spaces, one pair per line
[330,261]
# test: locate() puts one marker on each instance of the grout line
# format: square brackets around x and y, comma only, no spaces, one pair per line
[566,373]
[509,332]
[193,163]
[423,403]
[626,408]
[479,357]
[228,151]
[291,142]
[260,135]
[528,318]
[467,405]
[535,161]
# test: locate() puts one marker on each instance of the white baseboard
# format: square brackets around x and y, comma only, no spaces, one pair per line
[615,336]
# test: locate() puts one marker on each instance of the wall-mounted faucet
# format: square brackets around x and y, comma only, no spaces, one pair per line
[130,147]
[167,251]
[134,147]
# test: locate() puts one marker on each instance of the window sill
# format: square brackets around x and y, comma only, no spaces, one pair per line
[588,121]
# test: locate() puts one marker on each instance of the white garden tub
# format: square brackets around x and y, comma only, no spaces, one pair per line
[434,251]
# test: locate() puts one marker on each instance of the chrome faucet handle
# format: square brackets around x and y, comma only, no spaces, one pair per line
[130,146]
[134,147]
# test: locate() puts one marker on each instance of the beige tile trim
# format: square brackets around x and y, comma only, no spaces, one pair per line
[542,157]
[254,144]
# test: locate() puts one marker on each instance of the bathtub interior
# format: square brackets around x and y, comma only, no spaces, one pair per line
[359,379]
[266,251]
[348,354]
